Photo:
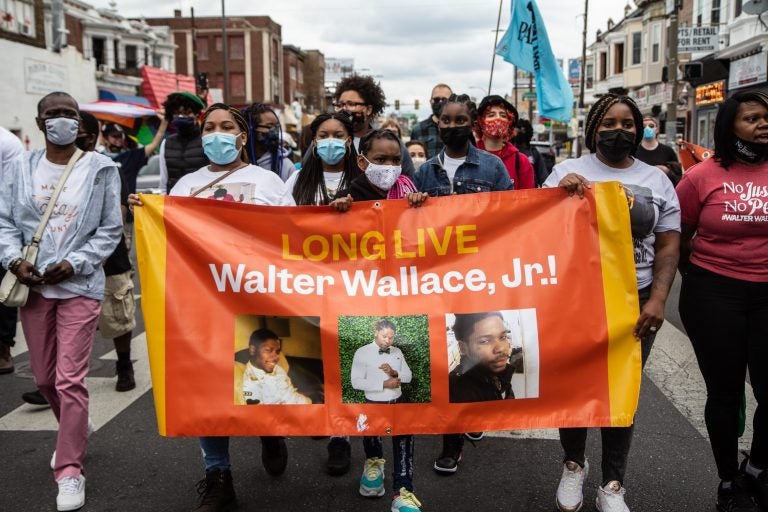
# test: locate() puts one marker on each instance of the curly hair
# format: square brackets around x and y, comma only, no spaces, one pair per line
[597,113]
[175,101]
[367,88]
[726,116]
[239,120]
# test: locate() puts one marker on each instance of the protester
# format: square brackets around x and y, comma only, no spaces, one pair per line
[265,141]
[652,152]
[460,168]
[67,280]
[131,160]
[427,130]
[10,149]
[496,120]
[363,99]
[393,126]
[182,152]
[523,136]
[724,294]
[612,134]
[418,152]
[225,142]
[330,165]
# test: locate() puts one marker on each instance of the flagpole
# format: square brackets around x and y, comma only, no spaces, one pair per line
[495,43]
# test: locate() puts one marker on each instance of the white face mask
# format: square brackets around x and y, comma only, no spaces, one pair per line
[417,161]
[382,176]
[61,131]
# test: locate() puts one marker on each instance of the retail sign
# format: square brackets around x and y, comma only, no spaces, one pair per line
[748,71]
[697,39]
[709,94]
[43,77]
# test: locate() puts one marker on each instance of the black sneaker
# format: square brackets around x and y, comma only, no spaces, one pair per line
[34,397]
[448,461]
[274,454]
[125,380]
[736,498]
[757,486]
[339,455]
[217,494]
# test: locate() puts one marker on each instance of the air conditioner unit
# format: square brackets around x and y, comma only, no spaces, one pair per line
[25,29]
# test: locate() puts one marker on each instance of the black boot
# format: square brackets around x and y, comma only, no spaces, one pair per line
[274,454]
[125,380]
[339,454]
[217,494]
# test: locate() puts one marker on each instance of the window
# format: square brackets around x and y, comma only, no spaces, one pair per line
[590,76]
[274,52]
[637,47]
[115,54]
[618,59]
[98,51]
[655,43]
[237,85]
[18,17]
[301,75]
[201,46]
[236,47]
[131,57]
[293,73]
[603,65]
[736,8]
[219,44]
[714,19]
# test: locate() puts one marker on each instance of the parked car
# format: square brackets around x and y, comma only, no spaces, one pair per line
[148,180]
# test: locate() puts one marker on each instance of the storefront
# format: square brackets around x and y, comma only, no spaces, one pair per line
[708,98]
[750,71]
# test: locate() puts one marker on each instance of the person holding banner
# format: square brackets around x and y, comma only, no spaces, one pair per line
[612,133]
[330,165]
[724,294]
[225,138]
[73,198]
[460,168]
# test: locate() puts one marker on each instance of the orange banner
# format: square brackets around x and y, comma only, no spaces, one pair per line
[490,311]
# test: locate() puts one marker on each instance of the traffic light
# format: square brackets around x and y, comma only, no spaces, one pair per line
[416,104]
[397,104]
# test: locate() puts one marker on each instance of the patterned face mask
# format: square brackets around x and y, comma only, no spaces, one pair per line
[382,176]
[497,127]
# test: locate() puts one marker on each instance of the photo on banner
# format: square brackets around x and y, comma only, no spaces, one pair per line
[278,360]
[384,359]
[492,355]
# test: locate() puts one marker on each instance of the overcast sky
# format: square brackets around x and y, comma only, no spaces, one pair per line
[408,44]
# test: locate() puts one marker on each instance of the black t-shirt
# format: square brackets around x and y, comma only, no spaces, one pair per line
[131,161]
[119,261]
[659,156]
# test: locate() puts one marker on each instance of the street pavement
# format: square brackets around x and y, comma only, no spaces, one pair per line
[131,468]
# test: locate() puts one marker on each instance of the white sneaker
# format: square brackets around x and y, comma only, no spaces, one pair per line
[570,496]
[611,498]
[71,493]
[91,430]
[372,481]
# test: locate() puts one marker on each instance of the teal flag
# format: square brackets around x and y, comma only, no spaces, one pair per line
[526,45]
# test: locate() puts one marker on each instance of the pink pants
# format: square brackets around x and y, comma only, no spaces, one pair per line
[59,335]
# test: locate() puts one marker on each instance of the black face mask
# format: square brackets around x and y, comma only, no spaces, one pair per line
[269,140]
[615,145]
[358,120]
[184,124]
[457,137]
[437,107]
[750,152]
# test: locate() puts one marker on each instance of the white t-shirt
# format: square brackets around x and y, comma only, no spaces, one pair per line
[332,181]
[450,165]
[251,185]
[10,148]
[654,205]
[61,225]
[270,388]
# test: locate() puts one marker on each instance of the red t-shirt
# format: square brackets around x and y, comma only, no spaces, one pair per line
[729,209]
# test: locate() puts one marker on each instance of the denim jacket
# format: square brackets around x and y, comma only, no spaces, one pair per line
[98,226]
[481,172]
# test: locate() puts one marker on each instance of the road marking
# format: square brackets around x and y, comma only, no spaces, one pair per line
[105,402]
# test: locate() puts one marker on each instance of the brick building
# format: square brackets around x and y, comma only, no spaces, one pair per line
[255,60]
[293,76]
[315,97]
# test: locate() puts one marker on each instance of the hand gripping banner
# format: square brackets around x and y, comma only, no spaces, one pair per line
[490,311]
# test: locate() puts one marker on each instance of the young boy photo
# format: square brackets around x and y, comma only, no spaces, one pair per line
[379,368]
[264,380]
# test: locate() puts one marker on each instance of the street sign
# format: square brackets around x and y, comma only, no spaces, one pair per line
[529,96]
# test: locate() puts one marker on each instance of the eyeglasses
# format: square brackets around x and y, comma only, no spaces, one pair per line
[347,105]
[438,99]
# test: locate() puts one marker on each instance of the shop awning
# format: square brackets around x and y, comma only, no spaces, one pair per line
[159,83]
[107,95]
[741,50]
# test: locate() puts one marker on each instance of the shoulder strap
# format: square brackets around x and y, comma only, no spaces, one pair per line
[211,184]
[55,196]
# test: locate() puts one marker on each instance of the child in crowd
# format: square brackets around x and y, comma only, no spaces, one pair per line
[379,369]
[264,380]
[485,372]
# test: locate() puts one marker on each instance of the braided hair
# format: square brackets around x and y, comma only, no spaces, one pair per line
[597,113]
[239,120]
[252,114]
[310,185]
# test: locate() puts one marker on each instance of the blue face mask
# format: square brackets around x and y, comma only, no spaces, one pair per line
[331,151]
[220,148]
[649,133]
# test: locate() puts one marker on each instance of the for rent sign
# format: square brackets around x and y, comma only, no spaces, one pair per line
[697,39]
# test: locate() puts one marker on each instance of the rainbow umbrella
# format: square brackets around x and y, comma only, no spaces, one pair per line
[124,114]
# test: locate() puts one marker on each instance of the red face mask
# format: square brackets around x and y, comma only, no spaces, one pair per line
[497,127]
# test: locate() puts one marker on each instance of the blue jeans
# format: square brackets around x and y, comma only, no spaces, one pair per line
[402,452]
[215,453]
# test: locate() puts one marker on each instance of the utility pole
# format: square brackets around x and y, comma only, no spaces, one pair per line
[582,78]
[530,101]
[194,47]
[495,43]
[224,47]
[671,128]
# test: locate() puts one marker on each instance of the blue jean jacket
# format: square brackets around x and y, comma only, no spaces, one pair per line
[481,172]
[98,226]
